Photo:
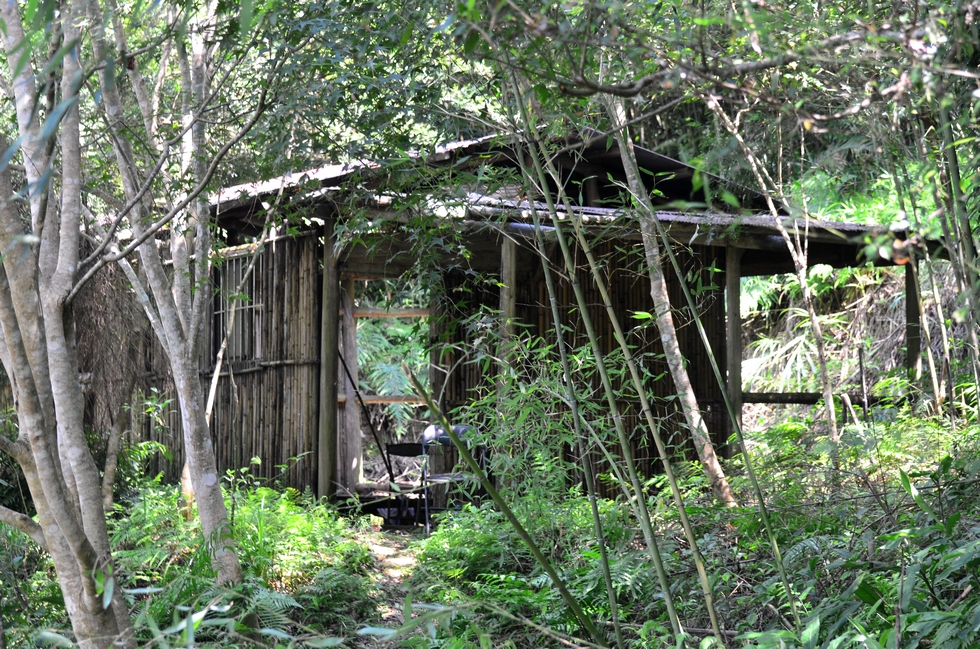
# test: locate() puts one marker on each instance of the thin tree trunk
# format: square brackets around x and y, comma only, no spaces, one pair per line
[939,380]
[639,498]
[665,320]
[798,253]
[38,340]
[962,224]
[180,300]
[199,451]
[113,448]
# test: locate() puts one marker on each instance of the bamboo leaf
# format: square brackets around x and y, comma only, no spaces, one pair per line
[53,639]
[811,633]
[324,642]
[245,17]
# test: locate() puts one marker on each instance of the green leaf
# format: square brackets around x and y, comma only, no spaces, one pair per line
[951,523]
[945,464]
[641,315]
[868,593]
[142,591]
[10,152]
[472,40]
[811,633]
[912,491]
[108,589]
[381,632]
[729,198]
[245,17]
[908,586]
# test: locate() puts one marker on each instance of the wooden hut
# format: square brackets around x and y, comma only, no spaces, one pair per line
[286,387]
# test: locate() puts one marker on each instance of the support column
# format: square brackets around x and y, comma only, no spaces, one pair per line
[733,351]
[329,342]
[591,190]
[508,313]
[508,296]
[349,459]
[913,331]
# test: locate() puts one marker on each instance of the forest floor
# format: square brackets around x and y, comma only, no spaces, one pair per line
[395,563]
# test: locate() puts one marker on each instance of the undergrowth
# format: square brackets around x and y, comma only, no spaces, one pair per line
[883,552]
[308,573]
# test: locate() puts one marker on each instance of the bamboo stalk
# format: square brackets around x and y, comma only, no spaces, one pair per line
[931,276]
[763,509]
[613,321]
[614,408]
[962,223]
[579,434]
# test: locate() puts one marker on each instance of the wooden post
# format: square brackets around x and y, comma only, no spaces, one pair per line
[591,191]
[437,376]
[508,296]
[349,458]
[913,333]
[508,313]
[329,342]
[733,351]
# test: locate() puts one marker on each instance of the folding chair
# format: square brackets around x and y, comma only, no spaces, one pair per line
[432,436]
[416,450]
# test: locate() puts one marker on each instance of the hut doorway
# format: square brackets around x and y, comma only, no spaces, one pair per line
[382,326]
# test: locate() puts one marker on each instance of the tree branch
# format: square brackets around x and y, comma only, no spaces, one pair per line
[25,524]
[580,86]
[173,212]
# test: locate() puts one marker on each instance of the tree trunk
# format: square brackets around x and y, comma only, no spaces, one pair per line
[113,448]
[180,295]
[665,319]
[203,469]
[38,348]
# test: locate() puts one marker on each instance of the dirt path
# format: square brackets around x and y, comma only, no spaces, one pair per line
[396,561]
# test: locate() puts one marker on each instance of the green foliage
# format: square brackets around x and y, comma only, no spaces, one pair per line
[474,556]
[30,598]
[14,493]
[898,538]
[307,572]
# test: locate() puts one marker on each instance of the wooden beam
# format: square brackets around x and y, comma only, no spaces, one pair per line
[375,312]
[370,399]
[327,425]
[591,190]
[733,351]
[806,398]
[913,325]
[349,459]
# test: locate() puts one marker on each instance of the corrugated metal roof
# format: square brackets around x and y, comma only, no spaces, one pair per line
[522,211]
[322,175]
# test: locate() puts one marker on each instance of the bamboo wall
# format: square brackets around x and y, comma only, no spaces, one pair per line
[622,265]
[266,405]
